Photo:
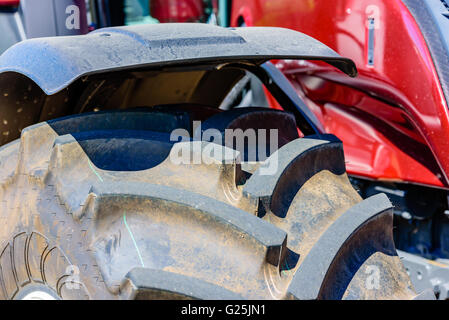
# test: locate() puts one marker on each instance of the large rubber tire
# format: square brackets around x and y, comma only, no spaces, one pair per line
[93,208]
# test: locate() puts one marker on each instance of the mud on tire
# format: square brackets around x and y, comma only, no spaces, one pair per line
[93,208]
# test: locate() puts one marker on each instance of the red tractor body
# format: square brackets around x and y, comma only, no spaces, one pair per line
[393,118]
[13,3]
[177,11]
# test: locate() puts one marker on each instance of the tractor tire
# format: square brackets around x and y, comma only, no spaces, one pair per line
[92,207]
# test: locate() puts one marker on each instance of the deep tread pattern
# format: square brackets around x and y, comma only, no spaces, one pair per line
[37,246]
[68,159]
[250,226]
[37,140]
[295,163]
[144,284]
[322,272]
[9,284]
[140,120]
[19,259]
[243,119]
[185,230]
[30,260]
[170,210]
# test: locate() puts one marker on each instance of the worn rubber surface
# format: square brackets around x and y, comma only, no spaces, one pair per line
[92,207]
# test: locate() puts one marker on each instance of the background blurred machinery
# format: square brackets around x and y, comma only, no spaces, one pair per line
[20,20]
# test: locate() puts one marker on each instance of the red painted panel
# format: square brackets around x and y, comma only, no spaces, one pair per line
[13,3]
[400,91]
[177,10]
